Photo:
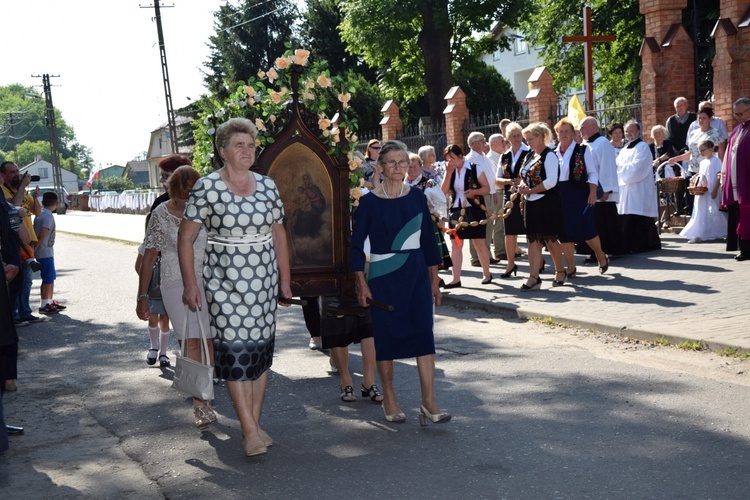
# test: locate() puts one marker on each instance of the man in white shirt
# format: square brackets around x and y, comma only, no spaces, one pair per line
[498,145]
[484,165]
[607,220]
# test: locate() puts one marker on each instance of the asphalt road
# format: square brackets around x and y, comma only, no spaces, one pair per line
[539,412]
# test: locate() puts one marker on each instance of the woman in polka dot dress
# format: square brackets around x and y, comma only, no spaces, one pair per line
[246,263]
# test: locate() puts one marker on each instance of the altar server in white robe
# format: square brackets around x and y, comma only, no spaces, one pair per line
[638,203]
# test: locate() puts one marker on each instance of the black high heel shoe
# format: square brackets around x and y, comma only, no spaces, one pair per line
[487,281]
[513,271]
[457,284]
[556,282]
[372,392]
[603,269]
[536,286]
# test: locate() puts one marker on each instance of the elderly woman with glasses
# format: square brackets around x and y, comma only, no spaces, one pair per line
[403,273]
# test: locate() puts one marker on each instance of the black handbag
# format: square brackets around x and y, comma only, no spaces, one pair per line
[154,286]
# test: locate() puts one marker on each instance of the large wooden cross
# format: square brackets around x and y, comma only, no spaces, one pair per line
[588,40]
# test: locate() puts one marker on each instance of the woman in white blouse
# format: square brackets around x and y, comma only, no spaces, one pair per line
[544,223]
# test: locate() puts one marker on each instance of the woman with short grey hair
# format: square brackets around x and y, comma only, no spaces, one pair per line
[432,168]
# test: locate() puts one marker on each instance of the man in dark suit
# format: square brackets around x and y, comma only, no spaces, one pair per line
[679,123]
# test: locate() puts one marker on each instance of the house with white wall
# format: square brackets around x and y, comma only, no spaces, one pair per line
[43,169]
[159,147]
[515,64]
[518,63]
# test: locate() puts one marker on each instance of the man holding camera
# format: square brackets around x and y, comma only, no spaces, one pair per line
[14,190]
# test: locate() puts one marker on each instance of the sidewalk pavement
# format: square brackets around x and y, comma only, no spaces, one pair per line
[683,292]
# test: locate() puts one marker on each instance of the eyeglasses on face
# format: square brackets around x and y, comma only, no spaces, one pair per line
[395,164]
[374,147]
[737,115]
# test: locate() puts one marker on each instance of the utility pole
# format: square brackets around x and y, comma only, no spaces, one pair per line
[165,76]
[53,144]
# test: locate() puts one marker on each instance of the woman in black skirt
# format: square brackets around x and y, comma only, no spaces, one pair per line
[577,185]
[508,174]
[467,186]
[544,223]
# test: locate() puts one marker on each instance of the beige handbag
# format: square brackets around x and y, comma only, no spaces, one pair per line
[195,378]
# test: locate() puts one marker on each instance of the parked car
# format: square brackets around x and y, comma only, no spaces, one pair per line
[65,202]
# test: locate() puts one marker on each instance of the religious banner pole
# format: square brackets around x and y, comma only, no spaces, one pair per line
[588,40]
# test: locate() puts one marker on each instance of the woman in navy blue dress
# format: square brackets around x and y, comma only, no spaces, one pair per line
[403,273]
[577,184]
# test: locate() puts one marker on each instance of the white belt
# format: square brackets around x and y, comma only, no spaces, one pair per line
[239,241]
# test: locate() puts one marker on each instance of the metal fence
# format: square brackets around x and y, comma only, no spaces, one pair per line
[425,135]
[606,113]
[489,123]
[414,138]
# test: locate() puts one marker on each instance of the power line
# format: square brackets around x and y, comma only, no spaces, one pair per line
[251,20]
[23,136]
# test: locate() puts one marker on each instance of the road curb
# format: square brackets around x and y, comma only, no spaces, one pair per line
[621,331]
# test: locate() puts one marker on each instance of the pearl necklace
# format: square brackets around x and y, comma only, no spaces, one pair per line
[400,192]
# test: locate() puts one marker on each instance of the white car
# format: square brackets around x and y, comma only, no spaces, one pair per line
[44,189]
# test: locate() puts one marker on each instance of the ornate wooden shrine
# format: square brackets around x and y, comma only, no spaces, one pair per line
[314,188]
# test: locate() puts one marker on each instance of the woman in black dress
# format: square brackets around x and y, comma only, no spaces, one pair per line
[467,187]
[544,222]
[508,174]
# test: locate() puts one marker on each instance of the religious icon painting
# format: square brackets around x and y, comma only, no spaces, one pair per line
[307,193]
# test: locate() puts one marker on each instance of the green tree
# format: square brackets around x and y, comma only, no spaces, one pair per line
[249,37]
[321,36]
[417,43]
[617,64]
[28,151]
[366,102]
[82,158]
[114,184]
[485,88]
[23,118]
